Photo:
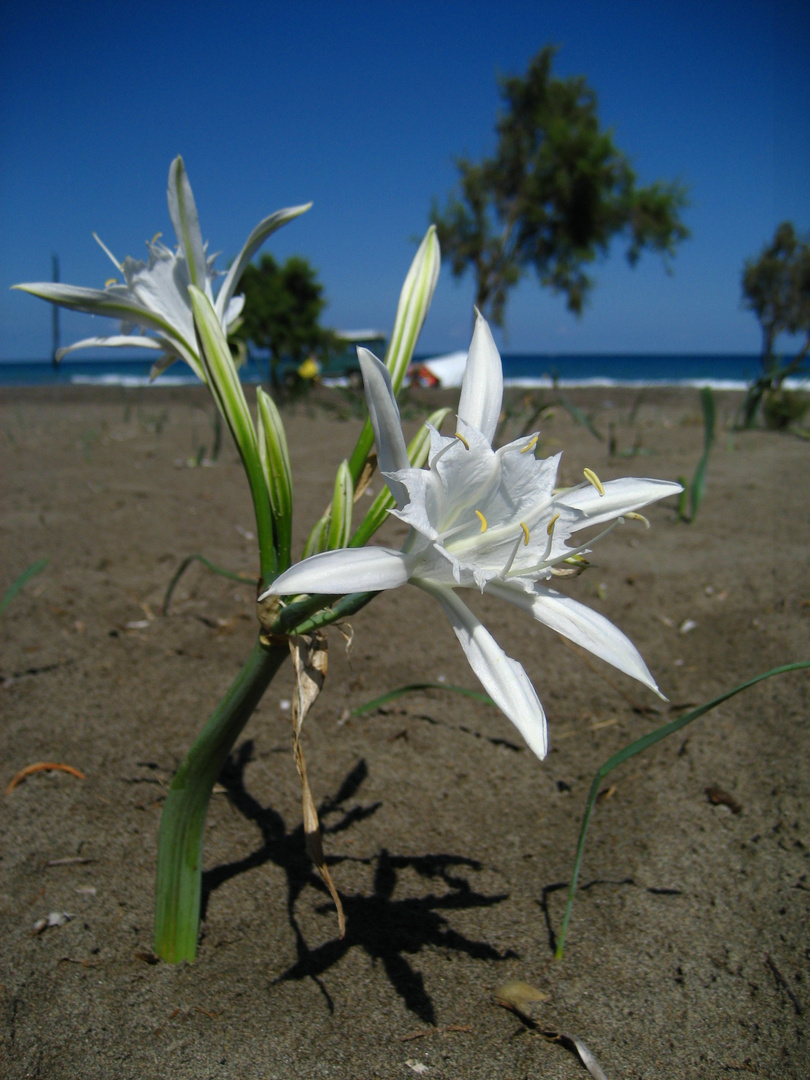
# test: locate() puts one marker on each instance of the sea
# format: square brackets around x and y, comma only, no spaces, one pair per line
[722,372]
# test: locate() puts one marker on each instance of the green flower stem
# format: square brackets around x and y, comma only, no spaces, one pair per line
[315,612]
[636,748]
[340,609]
[179,864]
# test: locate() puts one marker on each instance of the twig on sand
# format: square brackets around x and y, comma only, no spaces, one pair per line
[42,766]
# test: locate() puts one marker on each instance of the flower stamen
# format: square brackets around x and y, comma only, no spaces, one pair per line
[592,478]
[638,517]
[511,558]
[110,281]
[550,533]
[453,531]
[463,441]
[548,564]
[482,519]
[530,445]
[525,528]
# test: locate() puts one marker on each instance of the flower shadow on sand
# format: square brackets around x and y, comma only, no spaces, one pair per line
[387,929]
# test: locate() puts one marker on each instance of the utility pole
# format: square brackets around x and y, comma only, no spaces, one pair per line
[55,312]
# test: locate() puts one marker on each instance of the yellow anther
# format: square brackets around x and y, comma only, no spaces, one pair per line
[526,533]
[480,516]
[551,524]
[637,517]
[530,445]
[592,478]
[461,439]
[110,281]
[156,237]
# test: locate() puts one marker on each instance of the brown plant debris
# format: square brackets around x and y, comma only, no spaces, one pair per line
[718,797]
[309,656]
[42,766]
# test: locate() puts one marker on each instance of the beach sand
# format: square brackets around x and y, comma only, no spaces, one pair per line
[688,952]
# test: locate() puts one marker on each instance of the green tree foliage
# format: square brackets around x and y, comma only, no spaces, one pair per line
[776,287]
[554,195]
[283,305]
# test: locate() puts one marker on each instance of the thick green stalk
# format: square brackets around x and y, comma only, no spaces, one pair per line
[179,865]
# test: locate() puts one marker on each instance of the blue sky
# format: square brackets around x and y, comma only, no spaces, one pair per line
[361,107]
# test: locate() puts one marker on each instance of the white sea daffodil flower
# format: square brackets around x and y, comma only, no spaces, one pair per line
[154,297]
[486,519]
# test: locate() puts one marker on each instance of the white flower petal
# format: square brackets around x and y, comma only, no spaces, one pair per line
[252,244]
[154,295]
[161,288]
[579,624]
[502,677]
[115,340]
[482,385]
[114,303]
[622,496]
[392,453]
[348,570]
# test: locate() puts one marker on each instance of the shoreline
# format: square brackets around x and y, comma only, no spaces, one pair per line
[429,398]
[542,382]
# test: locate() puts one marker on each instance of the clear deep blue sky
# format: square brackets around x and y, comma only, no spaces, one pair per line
[361,107]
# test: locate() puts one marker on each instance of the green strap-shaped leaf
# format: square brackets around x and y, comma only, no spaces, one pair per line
[318,539]
[275,459]
[414,302]
[229,396]
[186,221]
[340,525]
[699,479]
[251,246]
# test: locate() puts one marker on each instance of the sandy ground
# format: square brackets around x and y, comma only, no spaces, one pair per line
[688,952]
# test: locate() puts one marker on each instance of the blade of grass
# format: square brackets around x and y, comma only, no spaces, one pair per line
[26,575]
[699,479]
[184,565]
[636,748]
[411,688]
[580,417]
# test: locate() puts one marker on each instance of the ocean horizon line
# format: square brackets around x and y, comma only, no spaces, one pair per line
[721,371]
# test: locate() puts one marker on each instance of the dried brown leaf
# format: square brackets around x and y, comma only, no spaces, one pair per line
[365,476]
[523,999]
[518,996]
[309,656]
[585,1055]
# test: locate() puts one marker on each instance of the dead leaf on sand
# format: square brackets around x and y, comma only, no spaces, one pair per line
[718,797]
[523,999]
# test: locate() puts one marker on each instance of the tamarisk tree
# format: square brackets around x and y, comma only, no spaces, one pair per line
[554,195]
[283,305]
[776,287]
